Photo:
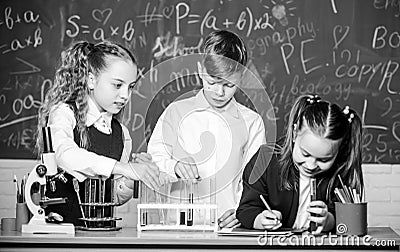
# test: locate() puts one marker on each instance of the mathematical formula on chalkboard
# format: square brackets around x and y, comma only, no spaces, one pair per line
[346,51]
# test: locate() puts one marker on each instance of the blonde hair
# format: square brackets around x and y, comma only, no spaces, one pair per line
[70,82]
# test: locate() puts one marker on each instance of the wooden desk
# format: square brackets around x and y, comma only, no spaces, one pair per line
[130,239]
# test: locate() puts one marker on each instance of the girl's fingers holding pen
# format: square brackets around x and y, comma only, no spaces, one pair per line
[272,226]
[277,214]
[268,214]
[277,226]
[274,214]
[268,224]
[269,218]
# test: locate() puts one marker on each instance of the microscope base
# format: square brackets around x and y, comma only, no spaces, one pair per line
[48,228]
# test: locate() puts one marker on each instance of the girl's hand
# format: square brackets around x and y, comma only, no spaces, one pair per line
[228,219]
[144,158]
[147,172]
[269,220]
[322,217]
[141,157]
[166,178]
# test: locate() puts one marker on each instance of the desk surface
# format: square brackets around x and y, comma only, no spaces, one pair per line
[128,238]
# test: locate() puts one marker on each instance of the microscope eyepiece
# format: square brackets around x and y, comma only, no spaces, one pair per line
[47,142]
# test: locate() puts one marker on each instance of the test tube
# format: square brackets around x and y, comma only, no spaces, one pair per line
[183,193]
[112,199]
[313,193]
[190,190]
[157,198]
[163,200]
[91,192]
[213,188]
[143,199]
[102,195]
[136,189]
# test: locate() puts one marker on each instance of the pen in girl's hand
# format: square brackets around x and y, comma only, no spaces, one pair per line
[268,207]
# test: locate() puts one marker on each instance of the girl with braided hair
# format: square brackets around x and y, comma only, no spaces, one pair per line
[322,141]
[83,108]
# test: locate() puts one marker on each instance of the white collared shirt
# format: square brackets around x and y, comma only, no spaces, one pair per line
[302,218]
[80,162]
[221,142]
[100,120]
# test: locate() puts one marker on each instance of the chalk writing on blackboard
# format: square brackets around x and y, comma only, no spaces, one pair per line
[75,27]
[11,20]
[347,51]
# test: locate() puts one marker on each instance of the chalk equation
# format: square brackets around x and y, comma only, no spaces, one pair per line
[10,20]
[292,48]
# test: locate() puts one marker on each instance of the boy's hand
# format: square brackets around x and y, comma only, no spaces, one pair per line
[269,220]
[186,168]
[228,219]
[320,210]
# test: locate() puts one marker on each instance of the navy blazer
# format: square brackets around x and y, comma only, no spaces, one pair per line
[265,166]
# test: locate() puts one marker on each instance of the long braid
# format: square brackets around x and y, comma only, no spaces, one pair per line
[70,83]
[70,86]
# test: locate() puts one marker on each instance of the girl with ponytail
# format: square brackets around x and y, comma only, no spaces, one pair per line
[83,108]
[322,141]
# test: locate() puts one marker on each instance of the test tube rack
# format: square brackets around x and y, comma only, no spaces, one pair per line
[176,220]
[185,205]
[98,209]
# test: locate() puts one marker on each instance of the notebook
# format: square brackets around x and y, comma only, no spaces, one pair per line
[256,232]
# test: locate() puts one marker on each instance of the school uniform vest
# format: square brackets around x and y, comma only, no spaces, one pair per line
[102,144]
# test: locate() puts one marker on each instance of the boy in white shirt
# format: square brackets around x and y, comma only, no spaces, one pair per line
[211,134]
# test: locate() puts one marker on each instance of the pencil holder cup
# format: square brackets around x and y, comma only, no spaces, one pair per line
[8,224]
[22,215]
[351,218]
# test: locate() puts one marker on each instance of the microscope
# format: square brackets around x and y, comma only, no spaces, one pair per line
[45,173]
